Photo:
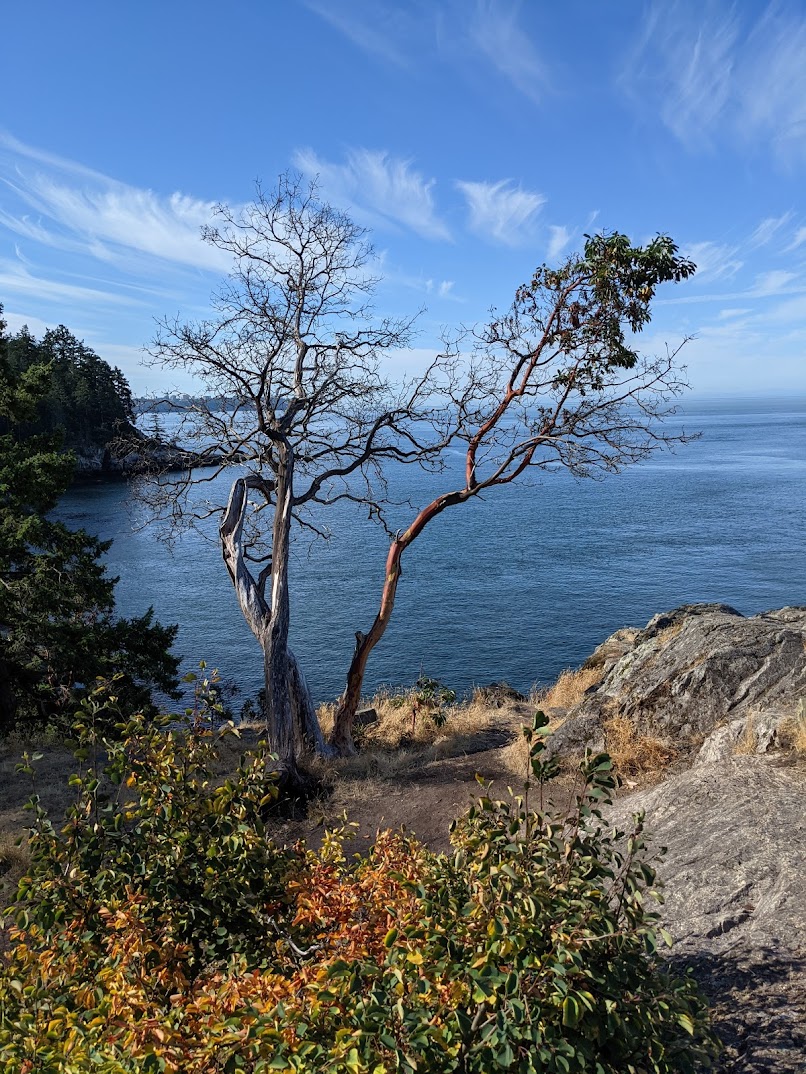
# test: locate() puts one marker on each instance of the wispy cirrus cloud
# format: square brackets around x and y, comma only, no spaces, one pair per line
[459,31]
[769,227]
[102,256]
[731,264]
[425,285]
[16,278]
[774,282]
[724,71]
[61,204]
[496,31]
[715,261]
[685,65]
[771,80]
[375,28]
[559,237]
[381,189]
[501,211]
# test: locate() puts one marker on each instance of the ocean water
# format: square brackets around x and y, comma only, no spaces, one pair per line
[517,586]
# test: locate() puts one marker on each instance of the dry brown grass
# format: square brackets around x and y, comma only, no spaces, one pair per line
[793,731]
[634,754]
[14,862]
[748,741]
[569,688]
[567,691]
[407,737]
[406,724]
[670,632]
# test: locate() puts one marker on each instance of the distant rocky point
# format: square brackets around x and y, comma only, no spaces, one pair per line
[138,454]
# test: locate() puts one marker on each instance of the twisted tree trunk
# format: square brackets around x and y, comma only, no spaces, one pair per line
[292,728]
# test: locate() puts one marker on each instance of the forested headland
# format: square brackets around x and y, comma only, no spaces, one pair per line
[58,628]
[84,401]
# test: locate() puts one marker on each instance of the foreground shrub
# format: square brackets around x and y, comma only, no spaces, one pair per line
[161,930]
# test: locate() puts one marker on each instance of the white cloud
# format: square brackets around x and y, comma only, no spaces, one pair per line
[393,277]
[501,211]
[124,216]
[73,208]
[771,87]
[559,237]
[13,148]
[793,311]
[714,260]
[726,71]
[757,351]
[360,23]
[775,282]
[768,229]
[799,239]
[15,278]
[495,31]
[685,65]
[379,188]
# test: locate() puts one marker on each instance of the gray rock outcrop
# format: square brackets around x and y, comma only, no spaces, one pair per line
[721,691]
[140,455]
[694,671]
[735,899]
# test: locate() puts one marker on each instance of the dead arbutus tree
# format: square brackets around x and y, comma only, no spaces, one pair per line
[296,407]
[556,382]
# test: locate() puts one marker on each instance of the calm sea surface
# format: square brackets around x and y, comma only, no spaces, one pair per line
[516,587]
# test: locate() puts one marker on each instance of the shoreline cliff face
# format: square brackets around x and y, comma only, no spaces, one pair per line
[139,455]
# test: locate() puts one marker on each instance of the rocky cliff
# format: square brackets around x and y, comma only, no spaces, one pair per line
[701,678]
[139,455]
[725,694]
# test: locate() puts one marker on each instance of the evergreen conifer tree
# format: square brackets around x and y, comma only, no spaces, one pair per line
[58,631]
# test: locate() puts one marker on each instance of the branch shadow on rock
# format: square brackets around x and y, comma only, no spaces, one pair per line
[758,997]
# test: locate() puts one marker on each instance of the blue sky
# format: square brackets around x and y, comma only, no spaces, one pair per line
[476,138]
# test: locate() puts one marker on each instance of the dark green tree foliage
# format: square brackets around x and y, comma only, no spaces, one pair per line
[57,625]
[86,400]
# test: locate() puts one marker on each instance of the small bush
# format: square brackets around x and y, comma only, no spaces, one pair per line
[161,930]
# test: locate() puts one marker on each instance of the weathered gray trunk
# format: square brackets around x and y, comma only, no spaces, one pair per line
[279,716]
[308,737]
[292,728]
